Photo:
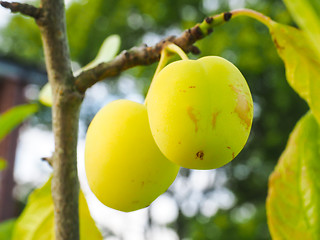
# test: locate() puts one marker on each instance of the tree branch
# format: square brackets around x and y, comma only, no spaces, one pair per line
[136,56]
[65,112]
[147,55]
[22,8]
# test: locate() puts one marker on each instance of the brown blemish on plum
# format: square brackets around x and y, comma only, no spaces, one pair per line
[233,155]
[192,86]
[243,110]
[193,116]
[214,119]
[236,90]
[182,90]
[200,155]
[278,46]
[142,183]
[229,147]
[179,142]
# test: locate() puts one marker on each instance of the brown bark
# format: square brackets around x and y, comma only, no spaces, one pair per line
[138,56]
[65,111]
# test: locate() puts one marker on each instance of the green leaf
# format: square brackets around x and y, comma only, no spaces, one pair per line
[14,116]
[307,15]
[37,220]
[3,165]
[6,229]
[45,95]
[302,65]
[293,202]
[107,51]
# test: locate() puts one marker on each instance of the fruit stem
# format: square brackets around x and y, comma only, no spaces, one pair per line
[162,62]
[164,57]
[174,48]
[165,53]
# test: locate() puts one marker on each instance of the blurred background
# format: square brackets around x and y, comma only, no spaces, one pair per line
[226,203]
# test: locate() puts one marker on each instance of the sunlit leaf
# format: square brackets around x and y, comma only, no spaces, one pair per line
[6,229]
[301,63]
[293,202]
[3,165]
[37,220]
[14,116]
[107,51]
[307,15]
[45,95]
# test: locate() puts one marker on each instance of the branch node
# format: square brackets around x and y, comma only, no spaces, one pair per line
[195,50]
[209,20]
[196,33]
[126,54]
[210,30]
[227,16]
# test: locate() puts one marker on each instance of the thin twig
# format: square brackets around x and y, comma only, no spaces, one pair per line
[25,9]
[48,160]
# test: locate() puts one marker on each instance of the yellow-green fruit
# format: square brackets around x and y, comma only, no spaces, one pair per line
[200,112]
[125,168]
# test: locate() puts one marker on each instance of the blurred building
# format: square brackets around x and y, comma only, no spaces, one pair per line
[14,77]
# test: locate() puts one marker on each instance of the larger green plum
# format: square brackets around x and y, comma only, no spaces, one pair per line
[200,112]
[125,168]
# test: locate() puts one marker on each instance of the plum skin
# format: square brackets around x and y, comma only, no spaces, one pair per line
[200,112]
[125,169]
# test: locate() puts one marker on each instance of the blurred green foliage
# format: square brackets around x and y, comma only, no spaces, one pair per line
[6,229]
[243,41]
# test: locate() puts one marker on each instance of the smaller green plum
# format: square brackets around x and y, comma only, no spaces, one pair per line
[124,166]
